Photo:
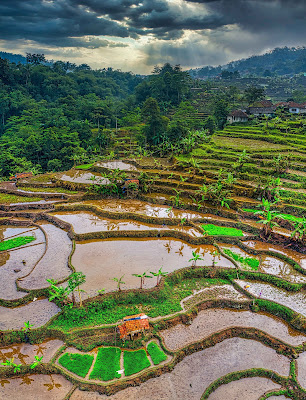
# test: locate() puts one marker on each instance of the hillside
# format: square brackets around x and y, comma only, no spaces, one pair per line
[280,61]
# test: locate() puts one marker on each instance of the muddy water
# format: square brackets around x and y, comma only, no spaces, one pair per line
[117,164]
[84,222]
[196,372]
[19,262]
[295,301]
[142,207]
[213,320]
[25,353]
[248,388]
[37,312]
[77,176]
[54,264]
[298,257]
[301,375]
[35,387]
[270,265]
[103,260]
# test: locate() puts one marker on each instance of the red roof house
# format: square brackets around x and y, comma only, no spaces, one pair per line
[133,324]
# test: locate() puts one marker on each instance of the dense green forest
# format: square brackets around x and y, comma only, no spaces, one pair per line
[55,114]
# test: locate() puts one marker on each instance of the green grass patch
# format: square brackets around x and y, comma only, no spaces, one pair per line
[107,364]
[135,361]
[215,230]
[12,198]
[156,353]
[79,364]
[250,262]
[84,166]
[111,310]
[16,242]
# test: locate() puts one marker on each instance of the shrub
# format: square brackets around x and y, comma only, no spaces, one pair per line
[79,364]
[135,361]
[107,364]
[156,353]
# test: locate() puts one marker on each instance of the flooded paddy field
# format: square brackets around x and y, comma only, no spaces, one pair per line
[54,264]
[270,265]
[19,261]
[35,387]
[295,301]
[247,388]
[196,372]
[213,320]
[117,164]
[102,260]
[25,353]
[301,369]
[79,176]
[39,312]
[145,208]
[85,222]
[298,257]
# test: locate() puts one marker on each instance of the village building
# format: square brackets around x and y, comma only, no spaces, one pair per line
[133,325]
[237,116]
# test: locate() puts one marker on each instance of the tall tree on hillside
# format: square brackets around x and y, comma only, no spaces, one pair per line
[156,124]
[253,94]
[221,111]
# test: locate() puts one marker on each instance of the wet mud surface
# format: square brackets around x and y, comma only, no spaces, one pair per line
[301,370]
[244,389]
[38,312]
[19,261]
[78,176]
[25,353]
[295,301]
[35,387]
[54,264]
[117,164]
[209,321]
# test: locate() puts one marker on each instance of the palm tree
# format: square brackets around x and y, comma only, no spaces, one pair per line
[119,282]
[142,278]
[159,274]
[195,258]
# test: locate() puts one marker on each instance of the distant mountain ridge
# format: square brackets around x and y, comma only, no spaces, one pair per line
[15,58]
[280,61]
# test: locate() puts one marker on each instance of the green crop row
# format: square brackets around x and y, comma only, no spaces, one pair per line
[16,242]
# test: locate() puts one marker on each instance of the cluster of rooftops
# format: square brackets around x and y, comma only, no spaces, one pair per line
[267,108]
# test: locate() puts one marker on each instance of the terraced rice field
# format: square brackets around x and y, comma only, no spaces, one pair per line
[216,327]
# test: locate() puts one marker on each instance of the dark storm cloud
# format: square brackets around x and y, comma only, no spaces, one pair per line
[65,22]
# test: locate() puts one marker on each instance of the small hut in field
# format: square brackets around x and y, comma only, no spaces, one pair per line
[133,325]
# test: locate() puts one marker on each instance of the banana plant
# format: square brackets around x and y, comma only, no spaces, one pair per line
[142,277]
[195,257]
[76,279]
[159,274]
[119,282]
[37,361]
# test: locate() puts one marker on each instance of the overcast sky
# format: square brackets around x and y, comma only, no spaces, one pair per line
[138,34]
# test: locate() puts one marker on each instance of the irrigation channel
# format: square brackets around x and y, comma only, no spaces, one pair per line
[226,306]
